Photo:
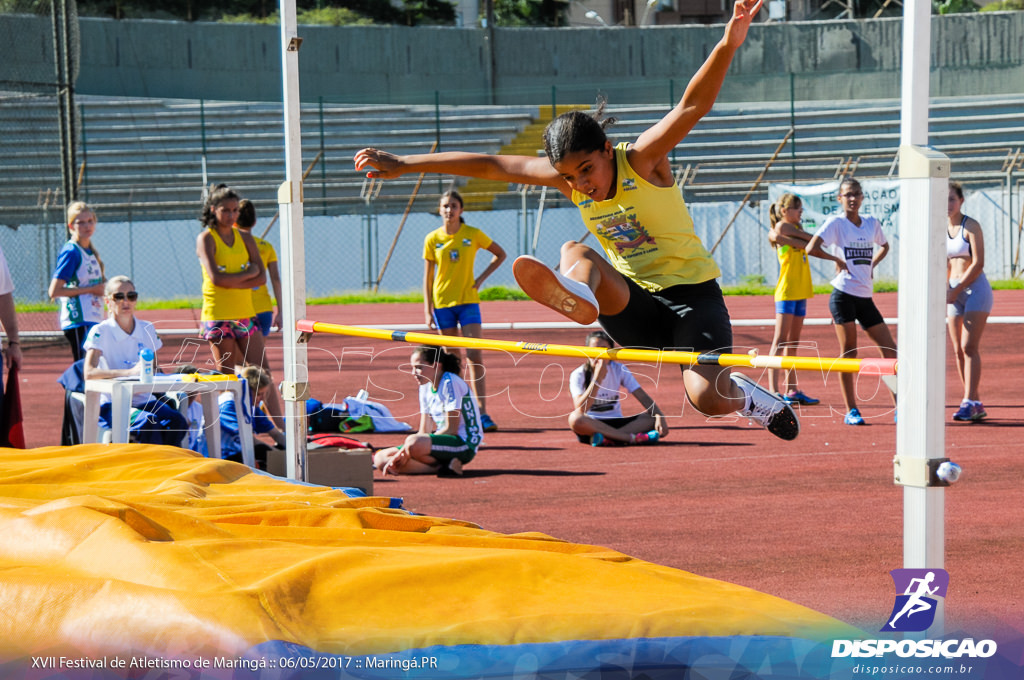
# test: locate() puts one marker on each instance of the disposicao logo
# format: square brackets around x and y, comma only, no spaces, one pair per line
[914,609]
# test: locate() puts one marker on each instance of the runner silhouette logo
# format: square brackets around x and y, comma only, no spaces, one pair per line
[916,592]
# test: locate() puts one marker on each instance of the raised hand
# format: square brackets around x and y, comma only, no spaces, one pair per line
[387,165]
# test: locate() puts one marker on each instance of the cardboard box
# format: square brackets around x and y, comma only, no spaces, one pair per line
[331,466]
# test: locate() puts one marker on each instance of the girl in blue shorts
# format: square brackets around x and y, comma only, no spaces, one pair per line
[446,406]
[793,290]
[969,300]
[451,291]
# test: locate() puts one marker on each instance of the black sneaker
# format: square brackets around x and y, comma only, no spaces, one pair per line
[768,410]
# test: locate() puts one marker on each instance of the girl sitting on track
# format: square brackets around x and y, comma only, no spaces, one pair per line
[77,282]
[852,240]
[445,401]
[659,290]
[792,292]
[451,293]
[969,300]
[597,412]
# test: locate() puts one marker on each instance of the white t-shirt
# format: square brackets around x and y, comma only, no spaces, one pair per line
[6,282]
[453,395]
[607,401]
[120,350]
[856,245]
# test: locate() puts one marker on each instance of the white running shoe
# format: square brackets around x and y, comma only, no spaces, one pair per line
[543,284]
[767,409]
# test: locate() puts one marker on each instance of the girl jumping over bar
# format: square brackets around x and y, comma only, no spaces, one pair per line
[657,288]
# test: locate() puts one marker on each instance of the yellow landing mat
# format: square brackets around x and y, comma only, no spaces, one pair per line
[131,548]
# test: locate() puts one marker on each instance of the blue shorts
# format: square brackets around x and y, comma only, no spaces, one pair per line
[459,315]
[794,307]
[263,321]
[977,297]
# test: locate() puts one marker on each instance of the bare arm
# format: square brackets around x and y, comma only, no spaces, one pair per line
[275,283]
[94,372]
[660,423]
[205,251]
[520,169]
[59,288]
[499,256]
[585,401]
[651,149]
[428,294]
[9,320]
[879,256]
[785,234]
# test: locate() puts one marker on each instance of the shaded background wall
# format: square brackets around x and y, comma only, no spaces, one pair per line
[971,54]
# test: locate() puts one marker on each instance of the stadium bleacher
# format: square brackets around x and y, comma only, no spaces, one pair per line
[149,158]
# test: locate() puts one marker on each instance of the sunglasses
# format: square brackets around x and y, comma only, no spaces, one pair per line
[131,297]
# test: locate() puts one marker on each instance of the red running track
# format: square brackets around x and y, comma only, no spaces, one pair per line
[817,521]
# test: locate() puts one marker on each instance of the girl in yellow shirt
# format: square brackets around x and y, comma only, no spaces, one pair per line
[657,288]
[792,292]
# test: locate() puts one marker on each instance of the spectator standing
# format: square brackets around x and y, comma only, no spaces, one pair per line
[78,280]
[451,291]
[851,240]
[969,300]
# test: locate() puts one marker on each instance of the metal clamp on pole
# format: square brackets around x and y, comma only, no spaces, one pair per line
[295,391]
[919,472]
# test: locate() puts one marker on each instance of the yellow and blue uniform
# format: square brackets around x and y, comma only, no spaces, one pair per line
[454,256]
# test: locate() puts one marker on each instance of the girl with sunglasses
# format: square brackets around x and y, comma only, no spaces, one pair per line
[112,350]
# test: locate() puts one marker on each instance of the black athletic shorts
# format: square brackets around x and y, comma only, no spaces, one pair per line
[688,317]
[848,308]
[617,423]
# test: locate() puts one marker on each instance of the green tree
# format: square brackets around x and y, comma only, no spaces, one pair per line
[955,6]
[531,13]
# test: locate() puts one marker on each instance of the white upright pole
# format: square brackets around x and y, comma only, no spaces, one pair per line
[924,177]
[295,388]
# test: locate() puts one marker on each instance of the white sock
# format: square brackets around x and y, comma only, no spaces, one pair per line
[578,287]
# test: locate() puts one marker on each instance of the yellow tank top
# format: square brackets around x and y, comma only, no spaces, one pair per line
[261,300]
[227,304]
[794,275]
[646,231]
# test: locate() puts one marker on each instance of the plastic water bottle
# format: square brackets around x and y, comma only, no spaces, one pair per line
[146,358]
[362,395]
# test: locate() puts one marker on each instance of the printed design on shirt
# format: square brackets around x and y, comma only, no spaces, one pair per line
[625,233]
[467,242]
[859,254]
[629,184]
[453,255]
[473,433]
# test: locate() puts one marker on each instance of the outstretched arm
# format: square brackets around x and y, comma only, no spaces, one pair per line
[654,145]
[519,169]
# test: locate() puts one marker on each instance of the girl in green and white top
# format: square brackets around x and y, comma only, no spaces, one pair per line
[447,404]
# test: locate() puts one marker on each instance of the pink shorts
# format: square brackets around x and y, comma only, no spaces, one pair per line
[218,330]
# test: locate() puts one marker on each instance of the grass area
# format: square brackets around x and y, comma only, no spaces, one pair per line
[754,285]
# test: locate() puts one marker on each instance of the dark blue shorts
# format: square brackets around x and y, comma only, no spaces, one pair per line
[264,320]
[457,316]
